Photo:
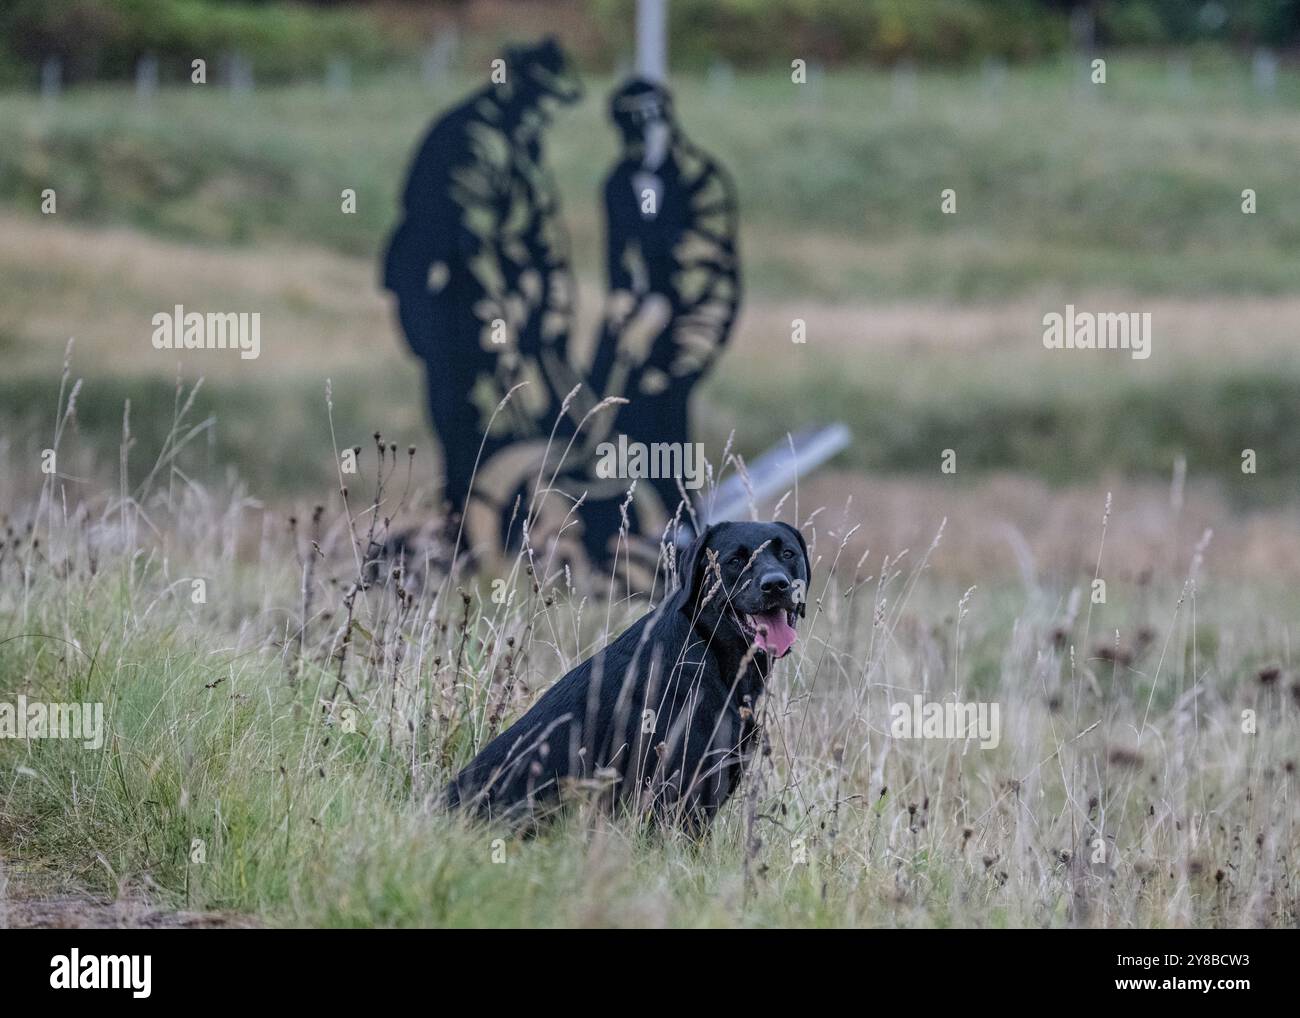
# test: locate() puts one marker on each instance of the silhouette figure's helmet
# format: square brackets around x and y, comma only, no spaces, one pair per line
[546,69]
[637,103]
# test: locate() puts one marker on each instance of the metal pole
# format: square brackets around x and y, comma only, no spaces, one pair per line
[652,39]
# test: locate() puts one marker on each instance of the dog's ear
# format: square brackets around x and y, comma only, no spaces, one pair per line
[807,566]
[690,570]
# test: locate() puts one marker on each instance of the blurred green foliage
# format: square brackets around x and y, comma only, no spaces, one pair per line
[760,32]
[286,40]
[106,38]
[757,33]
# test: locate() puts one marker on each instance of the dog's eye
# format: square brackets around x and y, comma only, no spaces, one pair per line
[787,554]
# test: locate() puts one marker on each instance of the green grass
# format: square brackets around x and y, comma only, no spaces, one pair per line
[1061,429]
[295,456]
[220,729]
[1130,184]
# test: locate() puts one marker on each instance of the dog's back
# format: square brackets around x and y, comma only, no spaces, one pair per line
[570,732]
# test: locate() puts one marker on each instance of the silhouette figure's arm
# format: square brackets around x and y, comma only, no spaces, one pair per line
[545,280]
[478,186]
[708,274]
[622,251]
[626,280]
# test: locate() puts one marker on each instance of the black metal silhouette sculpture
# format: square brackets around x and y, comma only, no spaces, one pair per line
[480,269]
[671,261]
[480,265]
[673,273]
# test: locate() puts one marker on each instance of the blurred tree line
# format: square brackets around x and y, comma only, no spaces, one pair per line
[757,32]
[104,39]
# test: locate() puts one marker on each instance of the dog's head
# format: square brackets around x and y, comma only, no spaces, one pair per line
[748,582]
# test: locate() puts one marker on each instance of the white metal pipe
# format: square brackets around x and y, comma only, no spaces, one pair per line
[652,39]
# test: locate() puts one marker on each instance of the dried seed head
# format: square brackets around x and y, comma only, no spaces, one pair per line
[1123,756]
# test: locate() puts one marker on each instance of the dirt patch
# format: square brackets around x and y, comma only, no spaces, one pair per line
[34,897]
[73,912]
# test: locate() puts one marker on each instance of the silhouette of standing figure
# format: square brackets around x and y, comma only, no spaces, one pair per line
[673,271]
[480,263]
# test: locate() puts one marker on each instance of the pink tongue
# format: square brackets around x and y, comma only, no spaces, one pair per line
[779,636]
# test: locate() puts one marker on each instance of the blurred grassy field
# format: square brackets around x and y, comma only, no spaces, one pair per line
[1123,719]
[1135,183]
[924,329]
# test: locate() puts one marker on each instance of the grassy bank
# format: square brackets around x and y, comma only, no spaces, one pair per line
[1135,183]
[278,430]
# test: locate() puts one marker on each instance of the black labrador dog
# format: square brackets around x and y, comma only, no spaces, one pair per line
[661,720]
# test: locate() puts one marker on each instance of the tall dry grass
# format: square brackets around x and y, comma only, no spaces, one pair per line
[277,748]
